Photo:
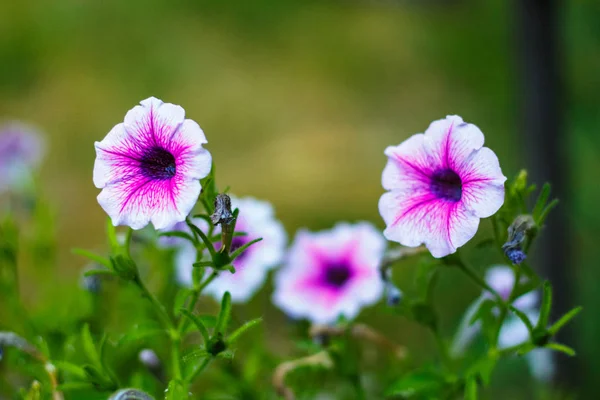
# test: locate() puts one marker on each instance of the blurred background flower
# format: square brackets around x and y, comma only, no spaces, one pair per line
[299,100]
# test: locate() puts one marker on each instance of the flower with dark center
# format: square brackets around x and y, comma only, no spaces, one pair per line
[149,167]
[440,184]
[331,273]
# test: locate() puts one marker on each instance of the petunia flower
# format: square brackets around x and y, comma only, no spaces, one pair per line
[440,184]
[331,273]
[149,167]
[21,150]
[257,220]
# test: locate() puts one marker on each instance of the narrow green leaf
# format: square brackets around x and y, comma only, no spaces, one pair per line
[224,314]
[92,256]
[523,318]
[242,329]
[139,335]
[195,355]
[180,298]
[89,348]
[546,305]
[70,368]
[198,323]
[205,239]
[546,211]
[541,202]
[564,320]
[111,233]
[240,250]
[562,348]
[176,391]
[526,348]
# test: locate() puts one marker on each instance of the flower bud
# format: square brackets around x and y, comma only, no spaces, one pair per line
[222,214]
[393,294]
[149,358]
[518,232]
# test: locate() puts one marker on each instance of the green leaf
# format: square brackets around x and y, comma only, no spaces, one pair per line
[523,318]
[96,377]
[201,328]
[180,298]
[92,256]
[541,202]
[562,348]
[195,355]
[546,306]
[484,367]
[471,389]
[176,391]
[242,329]
[424,314]
[70,368]
[224,314]
[241,249]
[553,330]
[111,233]
[124,266]
[546,211]
[418,383]
[140,334]
[485,313]
[89,348]
[526,348]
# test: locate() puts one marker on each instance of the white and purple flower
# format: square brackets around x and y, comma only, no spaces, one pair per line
[21,150]
[149,167]
[256,218]
[440,184]
[331,273]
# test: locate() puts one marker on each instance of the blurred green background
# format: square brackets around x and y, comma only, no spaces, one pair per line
[298,99]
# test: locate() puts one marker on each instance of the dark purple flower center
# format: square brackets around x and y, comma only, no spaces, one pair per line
[337,275]
[158,163]
[446,184]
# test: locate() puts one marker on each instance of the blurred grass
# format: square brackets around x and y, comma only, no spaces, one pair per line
[297,99]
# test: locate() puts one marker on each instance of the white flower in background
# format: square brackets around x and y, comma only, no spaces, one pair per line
[21,150]
[331,273]
[256,218]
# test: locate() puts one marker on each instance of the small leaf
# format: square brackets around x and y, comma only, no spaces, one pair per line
[541,202]
[201,328]
[562,348]
[94,257]
[553,330]
[242,329]
[546,211]
[139,335]
[241,249]
[546,306]
[75,370]
[523,318]
[195,355]
[180,298]
[89,348]
[176,391]
[224,314]
[526,348]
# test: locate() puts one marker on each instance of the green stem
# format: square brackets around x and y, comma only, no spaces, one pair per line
[160,310]
[176,357]
[183,322]
[479,281]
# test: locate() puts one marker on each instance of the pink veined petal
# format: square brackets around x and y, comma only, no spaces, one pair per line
[409,165]
[114,160]
[153,123]
[483,183]
[450,141]
[442,226]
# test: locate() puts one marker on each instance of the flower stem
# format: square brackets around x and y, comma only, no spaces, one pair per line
[199,369]
[183,322]
[480,282]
